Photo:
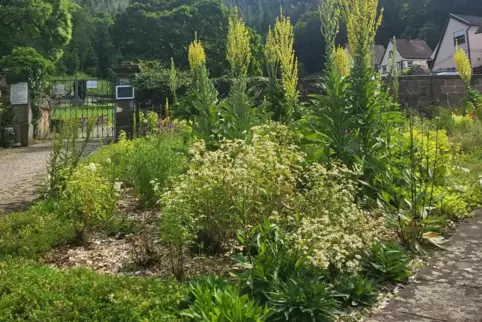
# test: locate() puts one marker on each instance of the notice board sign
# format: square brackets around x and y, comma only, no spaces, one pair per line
[19,94]
[91,84]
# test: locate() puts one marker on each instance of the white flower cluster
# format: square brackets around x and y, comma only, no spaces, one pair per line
[331,228]
[266,175]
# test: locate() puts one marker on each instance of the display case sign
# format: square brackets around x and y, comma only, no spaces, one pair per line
[59,89]
[91,84]
[19,93]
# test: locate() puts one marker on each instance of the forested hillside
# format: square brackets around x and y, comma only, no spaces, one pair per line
[89,36]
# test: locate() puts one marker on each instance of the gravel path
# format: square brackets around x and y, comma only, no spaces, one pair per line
[23,174]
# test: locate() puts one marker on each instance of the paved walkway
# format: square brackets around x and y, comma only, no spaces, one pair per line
[449,287]
[23,174]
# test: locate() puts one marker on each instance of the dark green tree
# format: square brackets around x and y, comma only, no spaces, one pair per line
[42,24]
[151,29]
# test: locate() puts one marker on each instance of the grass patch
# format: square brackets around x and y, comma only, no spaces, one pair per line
[32,292]
[33,233]
[63,113]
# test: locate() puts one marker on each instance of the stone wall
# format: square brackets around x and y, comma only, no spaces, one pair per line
[420,91]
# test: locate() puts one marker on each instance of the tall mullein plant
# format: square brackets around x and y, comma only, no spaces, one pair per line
[173,83]
[393,82]
[279,51]
[473,102]
[330,121]
[203,96]
[238,114]
[375,112]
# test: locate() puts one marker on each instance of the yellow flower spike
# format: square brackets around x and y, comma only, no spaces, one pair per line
[341,61]
[196,54]
[238,49]
[279,50]
[361,13]
[463,65]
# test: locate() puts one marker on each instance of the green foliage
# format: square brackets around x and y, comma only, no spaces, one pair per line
[418,161]
[387,262]
[239,184]
[147,164]
[285,281]
[204,98]
[41,293]
[34,232]
[90,201]
[153,82]
[356,291]
[41,24]
[67,151]
[162,29]
[205,198]
[26,64]
[222,302]
[91,49]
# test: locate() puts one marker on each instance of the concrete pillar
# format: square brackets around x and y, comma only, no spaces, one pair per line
[22,113]
[124,118]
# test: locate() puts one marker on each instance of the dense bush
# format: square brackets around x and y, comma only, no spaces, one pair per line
[34,232]
[31,292]
[242,181]
[147,164]
[329,227]
[90,200]
[246,180]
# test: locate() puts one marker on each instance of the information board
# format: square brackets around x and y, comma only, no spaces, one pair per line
[19,94]
[91,84]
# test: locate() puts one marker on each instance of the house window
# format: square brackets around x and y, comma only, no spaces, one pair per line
[384,69]
[400,65]
[410,64]
[459,38]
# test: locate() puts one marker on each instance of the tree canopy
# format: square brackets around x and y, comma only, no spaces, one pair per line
[90,36]
[41,24]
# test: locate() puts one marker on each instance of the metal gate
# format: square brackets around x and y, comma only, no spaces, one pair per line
[84,100]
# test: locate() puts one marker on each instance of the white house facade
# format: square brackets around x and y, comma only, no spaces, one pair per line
[410,53]
[466,31]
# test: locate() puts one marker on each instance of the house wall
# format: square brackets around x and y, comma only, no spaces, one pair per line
[386,62]
[444,59]
[475,42]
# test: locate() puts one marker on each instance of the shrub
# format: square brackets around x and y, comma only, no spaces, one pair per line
[433,149]
[67,152]
[330,228]
[41,293]
[259,173]
[355,291]
[247,180]
[283,279]
[32,233]
[147,164]
[387,262]
[223,304]
[90,200]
